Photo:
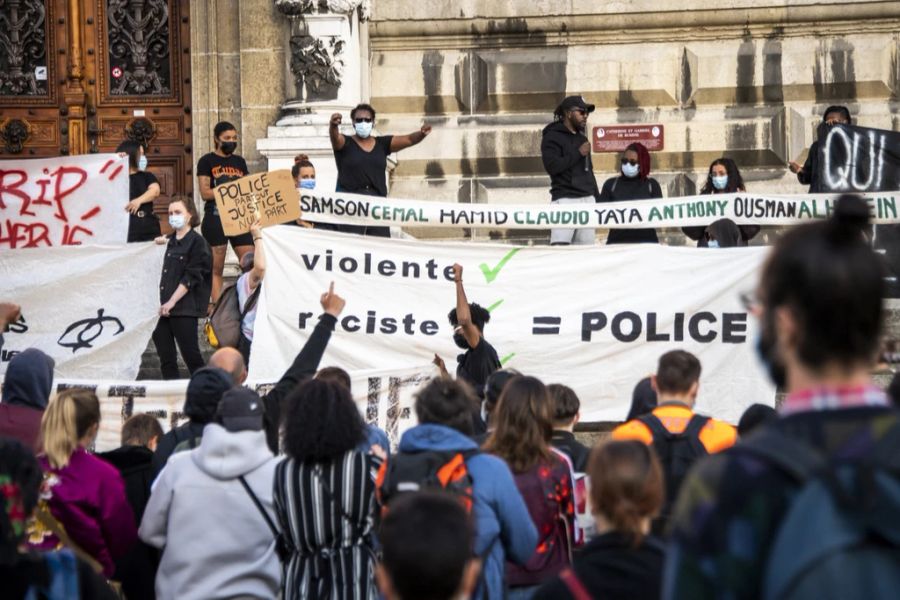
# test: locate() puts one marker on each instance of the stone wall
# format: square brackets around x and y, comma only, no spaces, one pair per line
[238,71]
[748,79]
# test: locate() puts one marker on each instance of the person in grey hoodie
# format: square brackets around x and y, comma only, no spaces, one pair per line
[205,511]
[26,391]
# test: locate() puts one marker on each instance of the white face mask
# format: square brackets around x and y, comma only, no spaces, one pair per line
[712,244]
[142,163]
[629,170]
[720,182]
[176,221]
[363,129]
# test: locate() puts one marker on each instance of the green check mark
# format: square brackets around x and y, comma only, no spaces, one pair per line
[491,308]
[507,358]
[491,274]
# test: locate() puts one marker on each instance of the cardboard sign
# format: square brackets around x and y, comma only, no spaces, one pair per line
[270,197]
[615,138]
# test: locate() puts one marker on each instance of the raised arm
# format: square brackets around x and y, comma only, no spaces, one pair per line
[337,138]
[463,315]
[400,142]
[259,257]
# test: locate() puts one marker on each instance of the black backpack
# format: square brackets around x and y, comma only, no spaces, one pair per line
[677,452]
[427,470]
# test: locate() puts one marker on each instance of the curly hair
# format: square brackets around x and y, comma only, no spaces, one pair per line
[524,424]
[321,422]
[20,476]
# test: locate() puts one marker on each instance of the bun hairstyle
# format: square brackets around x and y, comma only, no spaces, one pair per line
[448,402]
[832,281]
[300,161]
[626,486]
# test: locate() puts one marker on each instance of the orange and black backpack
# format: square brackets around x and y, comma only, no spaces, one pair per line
[426,470]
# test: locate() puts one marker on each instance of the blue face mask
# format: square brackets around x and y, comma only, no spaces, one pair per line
[629,170]
[712,244]
[720,182]
[142,163]
[363,129]
[176,221]
[308,184]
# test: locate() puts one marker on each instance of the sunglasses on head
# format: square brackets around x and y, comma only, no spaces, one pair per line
[362,120]
[626,161]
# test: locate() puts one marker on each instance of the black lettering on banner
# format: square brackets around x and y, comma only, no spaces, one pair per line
[652,336]
[636,326]
[127,393]
[546,325]
[733,325]
[61,387]
[694,327]
[591,322]
[372,397]
[302,320]
[394,413]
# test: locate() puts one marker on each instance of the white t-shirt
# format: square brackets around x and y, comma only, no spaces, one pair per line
[244,291]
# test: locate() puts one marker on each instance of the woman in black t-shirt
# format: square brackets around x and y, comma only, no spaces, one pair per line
[632,183]
[214,169]
[143,189]
[723,177]
[362,159]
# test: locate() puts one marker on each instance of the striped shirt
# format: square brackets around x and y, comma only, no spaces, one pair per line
[327,511]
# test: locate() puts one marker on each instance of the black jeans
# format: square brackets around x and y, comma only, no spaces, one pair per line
[182,330]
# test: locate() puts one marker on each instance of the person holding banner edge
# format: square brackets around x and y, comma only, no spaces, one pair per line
[362,160]
[808,173]
[213,169]
[143,189]
[566,154]
[632,183]
[723,177]
[184,288]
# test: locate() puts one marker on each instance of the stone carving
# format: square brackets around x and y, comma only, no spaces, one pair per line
[23,48]
[317,64]
[139,47]
[140,130]
[341,7]
[14,133]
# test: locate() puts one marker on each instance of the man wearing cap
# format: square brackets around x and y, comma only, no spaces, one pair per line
[566,153]
[206,510]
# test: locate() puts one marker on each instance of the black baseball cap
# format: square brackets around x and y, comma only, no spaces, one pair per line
[573,102]
[240,410]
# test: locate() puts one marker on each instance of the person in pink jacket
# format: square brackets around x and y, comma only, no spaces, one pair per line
[84,494]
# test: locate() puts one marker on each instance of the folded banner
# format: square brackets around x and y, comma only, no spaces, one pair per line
[743,209]
[594,318]
[857,159]
[384,397]
[63,201]
[91,308]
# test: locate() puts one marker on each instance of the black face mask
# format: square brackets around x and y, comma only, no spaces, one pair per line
[460,340]
[228,147]
[767,349]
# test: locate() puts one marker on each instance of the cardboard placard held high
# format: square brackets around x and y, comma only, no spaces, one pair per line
[270,197]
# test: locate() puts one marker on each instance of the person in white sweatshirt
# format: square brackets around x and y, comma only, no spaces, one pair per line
[215,540]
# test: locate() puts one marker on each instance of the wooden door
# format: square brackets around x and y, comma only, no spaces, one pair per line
[79,76]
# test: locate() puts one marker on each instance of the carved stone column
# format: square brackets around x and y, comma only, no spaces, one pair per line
[324,77]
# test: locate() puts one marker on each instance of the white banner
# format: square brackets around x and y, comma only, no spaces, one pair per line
[385,398]
[64,201]
[92,308]
[594,318]
[742,208]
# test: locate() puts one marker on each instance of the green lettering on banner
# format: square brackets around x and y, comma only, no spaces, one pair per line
[887,208]
[723,206]
[692,210]
[805,211]
[711,207]
[654,215]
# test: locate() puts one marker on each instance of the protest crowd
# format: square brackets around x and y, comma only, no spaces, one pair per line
[292,494]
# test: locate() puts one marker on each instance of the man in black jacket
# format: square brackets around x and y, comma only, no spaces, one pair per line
[566,153]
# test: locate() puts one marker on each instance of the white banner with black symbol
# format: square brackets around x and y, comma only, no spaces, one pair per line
[91,308]
[385,399]
[594,318]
